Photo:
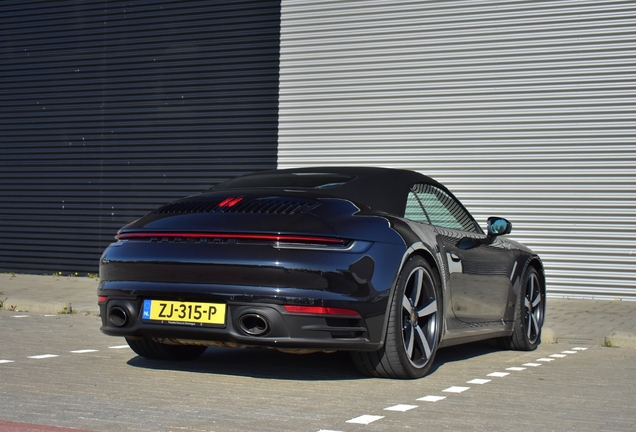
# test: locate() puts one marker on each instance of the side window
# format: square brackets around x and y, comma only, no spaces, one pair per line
[437,208]
[414,210]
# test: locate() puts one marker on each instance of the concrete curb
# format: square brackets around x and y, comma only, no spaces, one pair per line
[548,336]
[621,340]
[48,294]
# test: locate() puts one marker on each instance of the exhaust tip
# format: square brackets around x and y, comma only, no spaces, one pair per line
[253,324]
[118,316]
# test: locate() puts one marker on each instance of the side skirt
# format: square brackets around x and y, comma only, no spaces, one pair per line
[457,337]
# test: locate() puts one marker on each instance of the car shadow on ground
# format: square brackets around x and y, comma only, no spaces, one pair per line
[272,364]
[463,352]
[262,363]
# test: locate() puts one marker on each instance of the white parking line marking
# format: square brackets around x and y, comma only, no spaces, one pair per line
[6,361]
[400,408]
[456,389]
[119,347]
[49,315]
[84,351]
[367,419]
[499,374]
[364,419]
[19,316]
[478,381]
[431,398]
[43,356]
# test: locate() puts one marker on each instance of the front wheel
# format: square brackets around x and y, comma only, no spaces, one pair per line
[529,315]
[413,327]
[148,348]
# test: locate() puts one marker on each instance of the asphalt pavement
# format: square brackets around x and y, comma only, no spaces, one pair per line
[596,322]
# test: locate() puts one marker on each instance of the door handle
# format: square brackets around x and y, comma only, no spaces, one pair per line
[454,257]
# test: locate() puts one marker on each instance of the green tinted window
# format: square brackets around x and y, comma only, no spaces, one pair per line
[431,205]
[414,210]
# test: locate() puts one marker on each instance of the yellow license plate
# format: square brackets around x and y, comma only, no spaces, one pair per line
[184,312]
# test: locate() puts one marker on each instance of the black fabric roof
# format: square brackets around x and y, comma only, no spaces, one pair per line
[382,189]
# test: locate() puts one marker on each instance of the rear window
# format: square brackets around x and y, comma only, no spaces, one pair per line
[287,181]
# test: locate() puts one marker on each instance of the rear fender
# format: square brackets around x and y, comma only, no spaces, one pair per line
[433,258]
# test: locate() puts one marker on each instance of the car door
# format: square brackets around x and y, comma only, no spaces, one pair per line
[479,270]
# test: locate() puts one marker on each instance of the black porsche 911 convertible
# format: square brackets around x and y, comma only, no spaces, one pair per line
[384,263]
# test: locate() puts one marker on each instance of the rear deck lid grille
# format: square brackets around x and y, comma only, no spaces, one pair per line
[269,205]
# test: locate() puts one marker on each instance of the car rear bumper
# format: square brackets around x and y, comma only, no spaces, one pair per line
[246,324]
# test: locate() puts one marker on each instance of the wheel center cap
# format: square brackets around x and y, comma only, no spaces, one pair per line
[413,318]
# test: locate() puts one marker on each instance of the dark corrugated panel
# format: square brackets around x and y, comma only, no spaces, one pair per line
[110,109]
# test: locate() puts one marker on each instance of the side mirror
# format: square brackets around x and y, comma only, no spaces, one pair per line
[498,226]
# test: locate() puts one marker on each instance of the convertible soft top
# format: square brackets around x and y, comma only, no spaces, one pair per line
[381,189]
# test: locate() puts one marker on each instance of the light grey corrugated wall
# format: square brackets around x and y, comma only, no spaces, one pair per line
[525,110]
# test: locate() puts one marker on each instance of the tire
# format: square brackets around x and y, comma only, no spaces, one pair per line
[529,315]
[413,327]
[150,349]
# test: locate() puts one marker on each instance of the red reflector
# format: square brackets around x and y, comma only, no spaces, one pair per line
[102,299]
[319,310]
[230,202]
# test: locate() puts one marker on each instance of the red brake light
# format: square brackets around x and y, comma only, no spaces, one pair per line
[102,299]
[266,237]
[320,310]
[230,202]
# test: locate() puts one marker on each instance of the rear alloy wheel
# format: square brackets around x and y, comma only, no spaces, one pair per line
[150,349]
[529,315]
[413,328]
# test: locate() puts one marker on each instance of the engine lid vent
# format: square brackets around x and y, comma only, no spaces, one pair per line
[276,205]
[270,205]
[190,206]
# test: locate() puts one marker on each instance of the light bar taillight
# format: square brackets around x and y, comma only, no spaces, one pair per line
[320,310]
[209,236]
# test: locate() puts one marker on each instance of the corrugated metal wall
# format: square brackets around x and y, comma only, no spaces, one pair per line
[112,108]
[524,109]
